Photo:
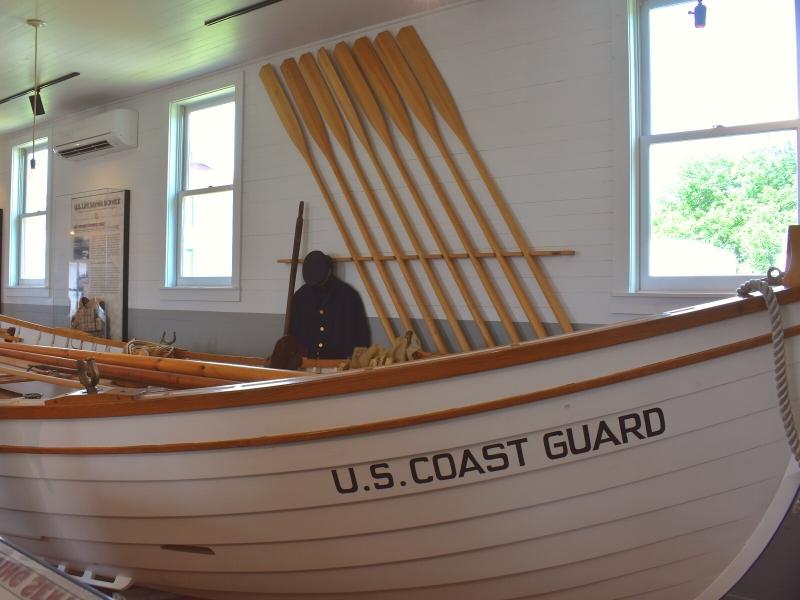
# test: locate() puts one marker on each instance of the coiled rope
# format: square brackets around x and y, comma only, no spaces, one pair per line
[145,348]
[788,411]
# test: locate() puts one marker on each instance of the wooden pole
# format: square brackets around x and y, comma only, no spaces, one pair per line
[439,94]
[298,233]
[330,113]
[349,109]
[284,109]
[380,81]
[415,98]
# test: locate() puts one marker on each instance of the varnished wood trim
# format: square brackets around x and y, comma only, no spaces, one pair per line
[421,419]
[436,368]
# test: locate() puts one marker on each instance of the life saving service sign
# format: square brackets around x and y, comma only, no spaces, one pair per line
[22,576]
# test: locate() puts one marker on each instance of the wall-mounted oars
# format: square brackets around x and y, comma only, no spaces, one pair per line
[330,113]
[415,98]
[394,106]
[292,126]
[310,113]
[439,94]
[380,81]
[349,109]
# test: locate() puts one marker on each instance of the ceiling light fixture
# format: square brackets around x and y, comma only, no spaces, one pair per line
[239,12]
[35,99]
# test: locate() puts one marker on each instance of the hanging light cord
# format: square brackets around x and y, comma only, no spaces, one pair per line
[35,93]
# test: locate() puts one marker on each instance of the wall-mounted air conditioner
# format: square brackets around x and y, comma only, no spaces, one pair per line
[105,133]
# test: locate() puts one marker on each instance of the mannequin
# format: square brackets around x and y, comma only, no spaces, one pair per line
[328,317]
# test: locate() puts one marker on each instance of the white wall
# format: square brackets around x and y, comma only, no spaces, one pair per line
[537,82]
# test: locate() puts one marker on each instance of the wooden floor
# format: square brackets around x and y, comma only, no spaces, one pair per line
[775,575]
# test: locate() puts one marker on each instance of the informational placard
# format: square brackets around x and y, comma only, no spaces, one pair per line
[98,266]
[22,576]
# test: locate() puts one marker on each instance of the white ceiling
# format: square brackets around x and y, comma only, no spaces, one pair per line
[126,47]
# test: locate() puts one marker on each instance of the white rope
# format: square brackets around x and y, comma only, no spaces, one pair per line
[787,410]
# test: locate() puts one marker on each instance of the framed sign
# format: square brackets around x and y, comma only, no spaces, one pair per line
[98,264]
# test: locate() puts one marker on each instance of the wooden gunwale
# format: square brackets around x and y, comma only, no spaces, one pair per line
[60,331]
[420,419]
[415,372]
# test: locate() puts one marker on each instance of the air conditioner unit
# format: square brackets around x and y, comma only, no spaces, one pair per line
[105,133]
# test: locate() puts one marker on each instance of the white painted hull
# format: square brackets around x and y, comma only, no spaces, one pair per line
[673,515]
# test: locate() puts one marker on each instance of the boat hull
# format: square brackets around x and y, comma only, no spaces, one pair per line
[640,470]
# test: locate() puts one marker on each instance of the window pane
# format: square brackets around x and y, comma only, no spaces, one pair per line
[36,181]
[207,235]
[740,68]
[210,143]
[721,206]
[33,243]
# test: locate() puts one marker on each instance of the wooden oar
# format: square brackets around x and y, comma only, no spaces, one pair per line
[287,116]
[351,72]
[382,84]
[384,89]
[349,109]
[168,365]
[315,107]
[138,375]
[439,94]
[327,106]
[415,98]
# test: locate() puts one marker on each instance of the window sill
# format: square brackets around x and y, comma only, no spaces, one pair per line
[202,293]
[29,291]
[648,303]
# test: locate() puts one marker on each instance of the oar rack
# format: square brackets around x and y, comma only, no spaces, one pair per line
[381,81]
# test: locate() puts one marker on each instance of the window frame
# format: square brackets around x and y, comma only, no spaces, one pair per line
[639,280]
[181,103]
[20,155]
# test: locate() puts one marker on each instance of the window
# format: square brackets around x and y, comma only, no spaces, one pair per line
[718,142]
[29,202]
[202,218]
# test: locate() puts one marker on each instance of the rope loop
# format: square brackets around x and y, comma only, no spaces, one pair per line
[764,287]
